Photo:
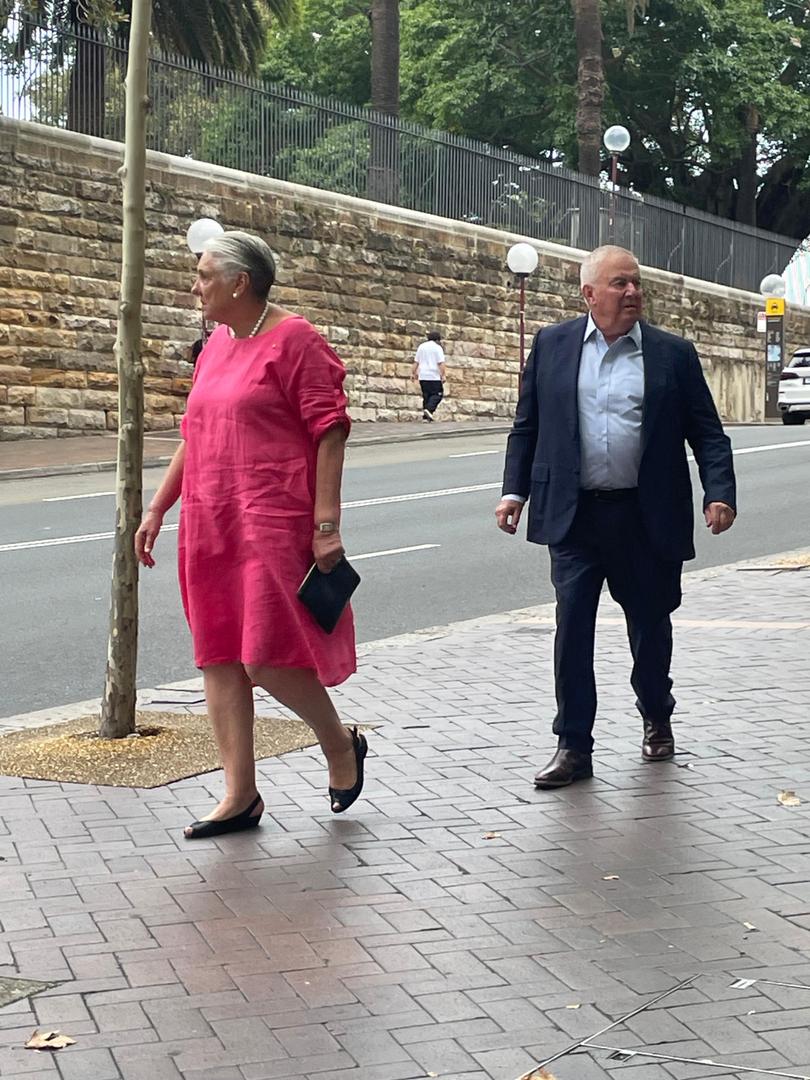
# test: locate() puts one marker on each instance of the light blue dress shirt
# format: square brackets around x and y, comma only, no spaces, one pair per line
[610,395]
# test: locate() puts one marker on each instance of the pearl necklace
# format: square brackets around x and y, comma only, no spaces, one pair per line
[259,322]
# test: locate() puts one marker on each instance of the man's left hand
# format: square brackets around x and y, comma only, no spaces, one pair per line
[719,517]
[327,548]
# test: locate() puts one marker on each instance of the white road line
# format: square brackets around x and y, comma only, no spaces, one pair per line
[58,541]
[476,453]
[356,504]
[419,495]
[69,498]
[771,446]
[392,551]
[453,491]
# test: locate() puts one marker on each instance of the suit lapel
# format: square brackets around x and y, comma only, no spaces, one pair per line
[655,382]
[566,371]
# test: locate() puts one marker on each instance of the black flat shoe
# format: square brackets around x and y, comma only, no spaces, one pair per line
[342,798]
[238,823]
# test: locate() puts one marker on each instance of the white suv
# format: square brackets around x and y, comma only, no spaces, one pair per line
[794,389]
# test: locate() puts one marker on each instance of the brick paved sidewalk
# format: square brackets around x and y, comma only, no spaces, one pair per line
[456,923]
[96,453]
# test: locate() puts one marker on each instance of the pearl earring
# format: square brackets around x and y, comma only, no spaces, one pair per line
[235,295]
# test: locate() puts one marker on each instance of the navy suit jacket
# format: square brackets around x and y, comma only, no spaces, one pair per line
[543,454]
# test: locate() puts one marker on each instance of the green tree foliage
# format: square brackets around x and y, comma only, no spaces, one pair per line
[714,92]
[216,32]
[716,95]
[326,51]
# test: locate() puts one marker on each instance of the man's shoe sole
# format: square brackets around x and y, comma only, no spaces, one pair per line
[655,760]
[552,785]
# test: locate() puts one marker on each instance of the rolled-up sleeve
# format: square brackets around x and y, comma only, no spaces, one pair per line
[315,386]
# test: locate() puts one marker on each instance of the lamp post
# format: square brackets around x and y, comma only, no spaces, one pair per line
[616,140]
[198,232]
[773,288]
[522,261]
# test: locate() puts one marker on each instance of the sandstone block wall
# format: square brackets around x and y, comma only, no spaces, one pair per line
[372,278]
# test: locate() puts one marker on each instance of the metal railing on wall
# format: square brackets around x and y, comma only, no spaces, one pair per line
[73,78]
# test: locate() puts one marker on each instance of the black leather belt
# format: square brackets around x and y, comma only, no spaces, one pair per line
[609,494]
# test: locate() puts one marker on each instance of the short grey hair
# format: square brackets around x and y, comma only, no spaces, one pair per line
[243,253]
[594,259]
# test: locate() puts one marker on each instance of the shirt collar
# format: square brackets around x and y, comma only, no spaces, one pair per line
[634,333]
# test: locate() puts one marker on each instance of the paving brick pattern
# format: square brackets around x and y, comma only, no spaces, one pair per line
[456,923]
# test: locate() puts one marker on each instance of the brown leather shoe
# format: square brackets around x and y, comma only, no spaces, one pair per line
[565,768]
[659,742]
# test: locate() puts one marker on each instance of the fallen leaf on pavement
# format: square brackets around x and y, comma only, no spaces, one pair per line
[49,1040]
[491,835]
[788,798]
[538,1074]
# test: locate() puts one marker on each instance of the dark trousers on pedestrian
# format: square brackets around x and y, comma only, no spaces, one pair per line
[432,394]
[608,542]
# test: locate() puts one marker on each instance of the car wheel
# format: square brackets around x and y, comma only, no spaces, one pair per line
[793,418]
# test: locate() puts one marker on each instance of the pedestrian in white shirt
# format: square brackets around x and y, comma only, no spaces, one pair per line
[428,371]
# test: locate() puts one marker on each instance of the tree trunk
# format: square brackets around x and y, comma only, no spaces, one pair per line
[747,177]
[118,705]
[86,89]
[590,85]
[383,168]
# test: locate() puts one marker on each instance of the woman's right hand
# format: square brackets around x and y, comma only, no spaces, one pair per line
[146,536]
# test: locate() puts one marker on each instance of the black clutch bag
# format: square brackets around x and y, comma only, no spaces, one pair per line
[326,595]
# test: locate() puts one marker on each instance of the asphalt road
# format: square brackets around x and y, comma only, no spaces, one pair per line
[428,551]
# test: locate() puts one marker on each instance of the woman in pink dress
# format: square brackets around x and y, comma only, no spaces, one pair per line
[259,471]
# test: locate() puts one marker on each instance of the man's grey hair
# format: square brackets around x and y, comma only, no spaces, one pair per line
[243,253]
[589,270]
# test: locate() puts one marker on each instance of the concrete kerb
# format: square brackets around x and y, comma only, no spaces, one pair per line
[538,613]
[61,469]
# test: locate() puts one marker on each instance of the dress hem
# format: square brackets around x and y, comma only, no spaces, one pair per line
[335,681]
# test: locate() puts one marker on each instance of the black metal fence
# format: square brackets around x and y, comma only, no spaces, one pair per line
[74,79]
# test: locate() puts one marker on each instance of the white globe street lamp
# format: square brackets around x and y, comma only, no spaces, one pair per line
[522,260]
[616,140]
[773,285]
[201,230]
[198,233]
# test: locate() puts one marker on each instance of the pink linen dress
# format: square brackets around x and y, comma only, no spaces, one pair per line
[256,412]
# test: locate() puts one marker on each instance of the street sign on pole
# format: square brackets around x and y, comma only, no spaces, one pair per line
[774,352]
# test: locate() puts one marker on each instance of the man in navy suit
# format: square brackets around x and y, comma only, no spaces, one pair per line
[606,404]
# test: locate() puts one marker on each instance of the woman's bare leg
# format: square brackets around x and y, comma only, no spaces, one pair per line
[300,691]
[229,697]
